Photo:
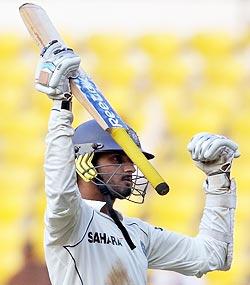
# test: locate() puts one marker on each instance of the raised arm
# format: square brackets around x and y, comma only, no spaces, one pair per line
[56,65]
[212,248]
[214,155]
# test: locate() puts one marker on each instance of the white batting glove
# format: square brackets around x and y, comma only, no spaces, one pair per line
[57,64]
[213,154]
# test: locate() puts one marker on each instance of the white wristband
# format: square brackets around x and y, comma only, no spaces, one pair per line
[218,192]
[218,181]
[223,200]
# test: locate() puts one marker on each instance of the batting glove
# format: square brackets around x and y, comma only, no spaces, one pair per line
[57,64]
[213,154]
[84,166]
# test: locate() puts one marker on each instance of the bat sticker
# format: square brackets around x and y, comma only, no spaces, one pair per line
[101,105]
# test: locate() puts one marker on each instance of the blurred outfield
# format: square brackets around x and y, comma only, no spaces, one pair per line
[166,84]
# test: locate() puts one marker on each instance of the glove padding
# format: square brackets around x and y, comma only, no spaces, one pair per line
[84,166]
[57,64]
[213,154]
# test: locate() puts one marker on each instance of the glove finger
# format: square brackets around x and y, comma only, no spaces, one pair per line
[219,152]
[62,68]
[205,145]
[199,146]
[49,50]
[193,141]
[45,89]
[224,150]
[73,66]
[208,155]
[237,154]
[214,150]
[72,71]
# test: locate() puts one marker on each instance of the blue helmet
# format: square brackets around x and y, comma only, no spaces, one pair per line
[90,135]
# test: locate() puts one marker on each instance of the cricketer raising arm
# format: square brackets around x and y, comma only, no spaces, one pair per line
[86,240]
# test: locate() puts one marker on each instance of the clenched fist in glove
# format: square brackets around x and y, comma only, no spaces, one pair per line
[57,64]
[213,153]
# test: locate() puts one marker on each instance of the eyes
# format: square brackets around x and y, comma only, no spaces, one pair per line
[118,158]
[106,159]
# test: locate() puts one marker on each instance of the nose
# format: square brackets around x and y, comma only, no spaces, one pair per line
[129,167]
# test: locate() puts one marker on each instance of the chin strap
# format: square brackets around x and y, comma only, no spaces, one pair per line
[105,191]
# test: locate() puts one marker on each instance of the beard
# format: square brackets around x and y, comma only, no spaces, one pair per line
[121,190]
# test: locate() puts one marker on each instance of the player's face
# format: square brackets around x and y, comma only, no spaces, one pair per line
[116,170]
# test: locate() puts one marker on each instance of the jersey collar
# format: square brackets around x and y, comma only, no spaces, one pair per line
[97,205]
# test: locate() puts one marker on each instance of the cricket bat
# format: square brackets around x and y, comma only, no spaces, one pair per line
[90,97]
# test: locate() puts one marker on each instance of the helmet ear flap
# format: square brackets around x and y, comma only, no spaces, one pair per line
[84,154]
[95,158]
[84,167]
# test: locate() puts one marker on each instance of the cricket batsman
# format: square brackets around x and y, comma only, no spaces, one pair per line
[87,242]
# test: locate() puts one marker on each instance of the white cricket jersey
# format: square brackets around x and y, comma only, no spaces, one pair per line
[83,246]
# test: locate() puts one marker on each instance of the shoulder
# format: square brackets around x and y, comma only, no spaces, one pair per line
[149,229]
[137,223]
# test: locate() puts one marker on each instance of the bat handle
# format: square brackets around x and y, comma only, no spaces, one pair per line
[134,153]
[162,188]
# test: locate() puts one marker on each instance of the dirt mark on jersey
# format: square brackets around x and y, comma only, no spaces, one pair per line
[118,275]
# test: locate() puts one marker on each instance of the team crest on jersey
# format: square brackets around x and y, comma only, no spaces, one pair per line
[96,237]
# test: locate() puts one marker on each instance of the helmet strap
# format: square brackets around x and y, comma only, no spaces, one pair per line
[113,214]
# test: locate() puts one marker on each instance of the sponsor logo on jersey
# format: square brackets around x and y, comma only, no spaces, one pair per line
[95,237]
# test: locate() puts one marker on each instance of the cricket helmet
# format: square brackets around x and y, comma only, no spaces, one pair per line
[89,137]
[91,133]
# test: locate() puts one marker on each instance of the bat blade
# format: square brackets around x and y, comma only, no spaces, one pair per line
[90,97]
[38,24]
